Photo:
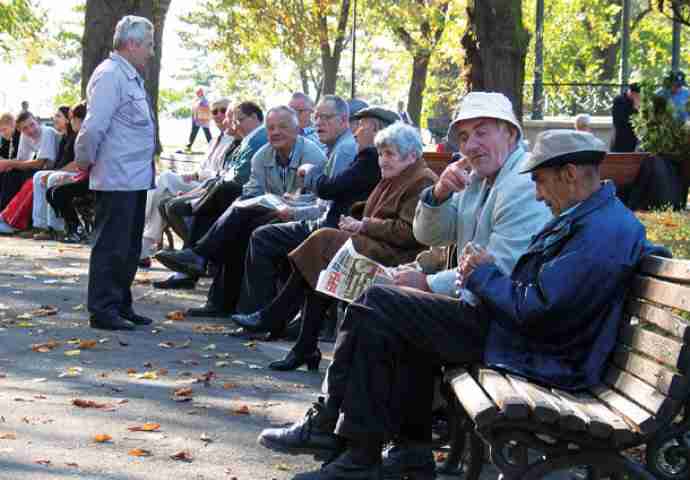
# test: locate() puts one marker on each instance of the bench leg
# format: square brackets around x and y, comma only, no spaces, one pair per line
[600,464]
[668,455]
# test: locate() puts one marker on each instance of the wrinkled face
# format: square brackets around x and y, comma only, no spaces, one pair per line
[281,130]
[552,189]
[141,53]
[365,132]
[486,144]
[60,122]
[303,110]
[329,125]
[30,128]
[7,129]
[229,122]
[244,124]
[392,163]
[218,112]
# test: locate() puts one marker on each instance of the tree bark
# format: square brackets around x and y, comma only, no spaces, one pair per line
[415,95]
[330,57]
[97,42]
[495,44]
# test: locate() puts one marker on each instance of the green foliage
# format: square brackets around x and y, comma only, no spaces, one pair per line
[70,88]
[175,102]
[20,25]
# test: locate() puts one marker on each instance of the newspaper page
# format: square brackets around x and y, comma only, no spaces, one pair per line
[349,274]
[276,202]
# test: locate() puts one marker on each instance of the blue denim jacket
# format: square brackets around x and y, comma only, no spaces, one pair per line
[118,136]
[556,317]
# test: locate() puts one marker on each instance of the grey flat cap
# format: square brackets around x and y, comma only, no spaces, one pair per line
[554,148]
[388,117]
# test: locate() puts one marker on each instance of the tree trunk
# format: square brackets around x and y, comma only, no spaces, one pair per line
[330,58]
[415,96]
[97,42]
[495,44]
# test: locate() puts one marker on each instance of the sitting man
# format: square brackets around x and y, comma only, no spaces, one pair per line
[304,106]
[206,203]
[171,184]
[554,319]
[274,170]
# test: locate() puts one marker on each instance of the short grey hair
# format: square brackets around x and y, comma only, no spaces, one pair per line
[583,120]
[303,96]
[131,27]
[404,138]
[292,114]
[339,105]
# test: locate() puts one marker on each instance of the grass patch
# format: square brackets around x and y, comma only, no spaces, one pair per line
[668,228]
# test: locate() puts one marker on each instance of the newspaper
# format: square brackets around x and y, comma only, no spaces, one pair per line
[276,202]
[349,274]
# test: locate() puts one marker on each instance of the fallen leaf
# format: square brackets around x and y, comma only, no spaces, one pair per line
[78,402]
[25,324]
[44,311]
[243,410]
[78,308]
[72,353]
[45,347]
[131,371]
[183,392]
[183,456]
[87,344]
[147,427]
[283,467]
[72,464]
[175,315]
[139,452]
[8,436]
[43,462]
[205,438]
[167,344]
[71,372]
[251,344]
[228,385]
[102,438]
[40,397]
[222,363]
[151,375]
[211,346]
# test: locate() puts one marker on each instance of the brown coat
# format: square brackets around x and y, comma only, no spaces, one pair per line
[387,233]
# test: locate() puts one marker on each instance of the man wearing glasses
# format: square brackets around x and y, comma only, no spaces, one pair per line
[304,106]
[170,184]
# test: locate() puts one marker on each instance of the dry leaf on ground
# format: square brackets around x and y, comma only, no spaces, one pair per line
[45,347]
[151,375]
[43,462]
[147,427]
[183,392]
[78,402]
[72,464]
[44,311]
[139,452]
[183,456]
[243,410]
[229,386]
[72,353]
[102,438]
[8,436]
[175,315]
[87,344]
[167,344]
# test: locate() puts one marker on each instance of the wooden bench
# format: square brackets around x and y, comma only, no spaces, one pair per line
[644,398]
[622,168]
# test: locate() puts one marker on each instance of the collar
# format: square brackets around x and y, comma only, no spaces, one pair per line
[605,194]
[131,72]
[272,161]
[338,140]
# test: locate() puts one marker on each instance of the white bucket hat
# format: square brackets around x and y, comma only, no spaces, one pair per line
[489,105]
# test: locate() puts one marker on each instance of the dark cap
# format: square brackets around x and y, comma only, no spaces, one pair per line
[554,148]
[388,117]
[355,105]
[675,78]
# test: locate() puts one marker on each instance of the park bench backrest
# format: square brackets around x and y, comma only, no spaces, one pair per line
[178,163]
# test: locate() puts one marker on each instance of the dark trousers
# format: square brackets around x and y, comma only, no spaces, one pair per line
[268,249]
[385,354]
[61,197]
[225,244]
[11,182]
[174,211]
[116,249]
[195,130]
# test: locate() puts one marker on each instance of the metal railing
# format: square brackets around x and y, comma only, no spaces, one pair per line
[569,99]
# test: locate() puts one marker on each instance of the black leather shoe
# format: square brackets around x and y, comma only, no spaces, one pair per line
[293,361]
[184,261]
[401,460]
[174,283]
[313,434]
[136,319]
[207,310]
[110,322]
[252,322]
[345,467]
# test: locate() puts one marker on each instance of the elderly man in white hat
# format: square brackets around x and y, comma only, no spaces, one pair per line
[481,198]
[552,319]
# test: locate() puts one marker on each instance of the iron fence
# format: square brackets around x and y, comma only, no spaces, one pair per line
[569,99]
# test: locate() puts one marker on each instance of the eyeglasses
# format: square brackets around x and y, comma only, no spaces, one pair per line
[324,116]
[302,110]
[237,119]
[216,111]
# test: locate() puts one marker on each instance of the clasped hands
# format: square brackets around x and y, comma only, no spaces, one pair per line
[350,224]
[472,257]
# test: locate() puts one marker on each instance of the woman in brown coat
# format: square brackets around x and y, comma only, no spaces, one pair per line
[384,234]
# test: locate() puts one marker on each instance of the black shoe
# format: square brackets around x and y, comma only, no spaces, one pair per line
[252,322]
[174,283]
[110,322]
[136,319]
[293,361]
[293,327]
[207,310]
[402,459]
[345,467]
[184,261]
[313,434]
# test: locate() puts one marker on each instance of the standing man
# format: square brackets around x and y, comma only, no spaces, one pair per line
[624,107]
[117,142]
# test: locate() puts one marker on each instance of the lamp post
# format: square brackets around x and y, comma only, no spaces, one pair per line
[538,89]
[354,48]
[625,46]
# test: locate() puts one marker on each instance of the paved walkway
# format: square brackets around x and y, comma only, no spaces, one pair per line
[205,395]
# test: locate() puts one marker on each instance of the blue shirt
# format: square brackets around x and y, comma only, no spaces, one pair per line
[118,136]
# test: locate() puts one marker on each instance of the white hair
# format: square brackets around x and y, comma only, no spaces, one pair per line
[404,138]
[292,114]
[583,121]
[131,27]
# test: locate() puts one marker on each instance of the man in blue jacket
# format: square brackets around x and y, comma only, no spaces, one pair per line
[554,319]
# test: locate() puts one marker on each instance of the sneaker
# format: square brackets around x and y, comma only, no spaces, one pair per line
[5,228]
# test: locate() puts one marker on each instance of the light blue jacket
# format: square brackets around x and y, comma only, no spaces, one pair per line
[118,136]
[505,224]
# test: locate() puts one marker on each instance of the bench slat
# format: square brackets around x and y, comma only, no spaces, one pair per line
[503,394]
[638,419]
[663,349]
[663,319]
[543,405]
[622,168]
[638,391]
[471,396]
[621,432]
[596,426]
[655,374]
[665,293]
[667,268]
